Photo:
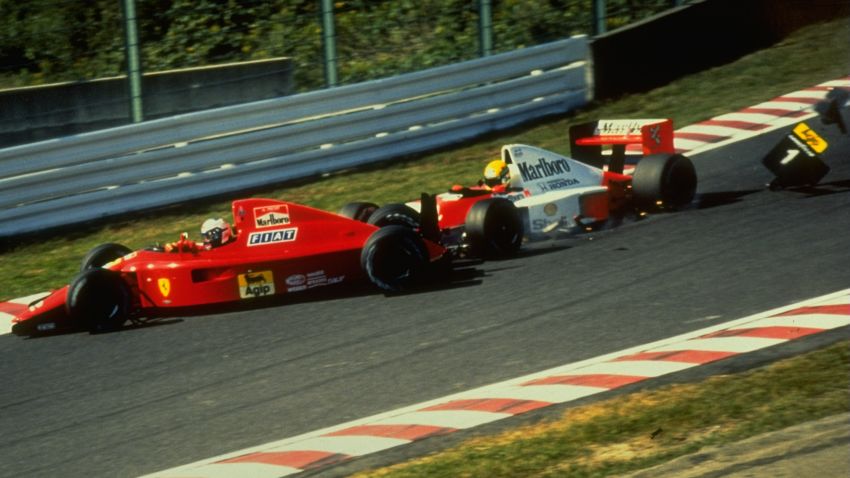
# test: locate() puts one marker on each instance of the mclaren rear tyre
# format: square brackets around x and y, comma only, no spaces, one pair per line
[99,300]
[494,228]
[359,211]
[394,258]
[664,181]
[102,255]
[395,215]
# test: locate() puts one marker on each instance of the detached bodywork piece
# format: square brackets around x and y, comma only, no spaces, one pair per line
[548,193]
[280,248]
[796,159]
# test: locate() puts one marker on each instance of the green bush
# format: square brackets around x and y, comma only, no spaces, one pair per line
[45,41]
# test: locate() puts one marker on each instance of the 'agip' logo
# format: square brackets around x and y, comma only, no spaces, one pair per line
[256,284]
[811,138]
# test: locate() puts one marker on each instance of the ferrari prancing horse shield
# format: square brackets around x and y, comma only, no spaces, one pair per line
[164,286]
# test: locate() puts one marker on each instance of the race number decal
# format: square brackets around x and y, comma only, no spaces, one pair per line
[256,284]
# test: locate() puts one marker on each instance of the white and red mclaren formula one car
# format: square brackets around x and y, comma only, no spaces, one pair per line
[547,193]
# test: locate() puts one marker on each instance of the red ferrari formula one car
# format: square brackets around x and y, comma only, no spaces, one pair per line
[279,248]
[539,192]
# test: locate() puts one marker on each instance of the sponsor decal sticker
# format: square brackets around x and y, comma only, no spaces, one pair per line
[550,209]
[272,237]
[164,286]
[271,216]
[811,138]
[543,169]
[255,284]
[296,280]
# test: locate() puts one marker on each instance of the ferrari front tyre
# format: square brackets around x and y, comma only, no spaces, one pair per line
[359,211]
[395,215]
[99,300]
[394,258]
[494,228]
[102,255]
[664,181]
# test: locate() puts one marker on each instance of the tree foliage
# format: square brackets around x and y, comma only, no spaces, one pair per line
[59,40]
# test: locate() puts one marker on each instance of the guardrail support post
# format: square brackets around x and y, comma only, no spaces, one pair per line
[134,69]
[485,27]
[329,43]
[599,20]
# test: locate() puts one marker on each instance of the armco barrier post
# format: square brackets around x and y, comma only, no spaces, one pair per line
[485,27]
[329,42]
[134,69]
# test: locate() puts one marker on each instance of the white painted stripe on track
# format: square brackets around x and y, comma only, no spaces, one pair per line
[815,321]
[837,301]
[814,94]
[458,419]
[757,118]
[635,368]
[789,106]
[845,83]
[30,298]
[538,393]
[354,445]
[724,131]
[689,144]
[721,344]
[6,323]
[241,470]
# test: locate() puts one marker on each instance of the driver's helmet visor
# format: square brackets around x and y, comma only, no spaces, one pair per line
[213,236]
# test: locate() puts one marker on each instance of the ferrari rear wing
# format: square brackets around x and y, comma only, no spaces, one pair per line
[587,140]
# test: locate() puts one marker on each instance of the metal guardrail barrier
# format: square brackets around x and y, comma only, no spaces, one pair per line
[156,163]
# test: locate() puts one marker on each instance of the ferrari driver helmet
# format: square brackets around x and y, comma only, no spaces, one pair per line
[215,232]
[496,173]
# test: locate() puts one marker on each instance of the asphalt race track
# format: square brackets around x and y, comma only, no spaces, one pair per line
[147,399]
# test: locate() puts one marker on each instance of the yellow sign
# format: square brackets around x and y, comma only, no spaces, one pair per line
[811,138]
[164,286]
[256,284]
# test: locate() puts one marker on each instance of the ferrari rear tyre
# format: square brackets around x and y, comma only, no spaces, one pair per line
[102,255]
[99,300]
[494,228]
[664,181]
[395,215]
[359,211]
[394,258]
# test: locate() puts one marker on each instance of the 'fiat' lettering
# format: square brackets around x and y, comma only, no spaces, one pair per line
[272,237]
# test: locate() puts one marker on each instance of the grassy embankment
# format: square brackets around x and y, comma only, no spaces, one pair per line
[639,430]
[812,55]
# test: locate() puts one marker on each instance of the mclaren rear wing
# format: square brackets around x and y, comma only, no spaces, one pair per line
[588,139]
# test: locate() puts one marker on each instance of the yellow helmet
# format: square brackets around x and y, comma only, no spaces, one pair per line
[495,173]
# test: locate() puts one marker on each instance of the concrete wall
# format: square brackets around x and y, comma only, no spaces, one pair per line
[695,37]
[42,112]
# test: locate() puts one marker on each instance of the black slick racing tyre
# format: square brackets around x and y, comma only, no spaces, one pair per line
[394,258]
[359,211]
[99,300]
[102,255]
[494,228]
[664,181]
[395,215]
